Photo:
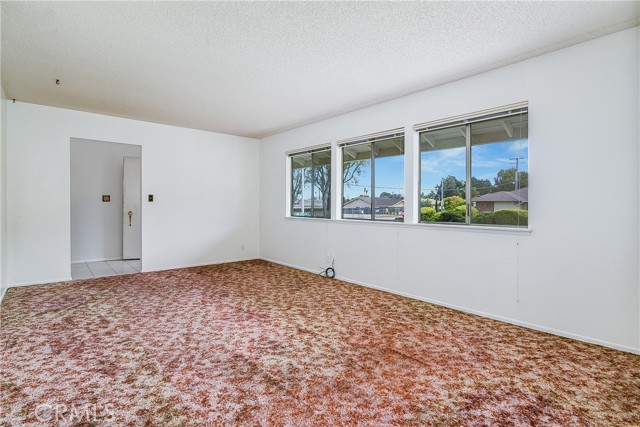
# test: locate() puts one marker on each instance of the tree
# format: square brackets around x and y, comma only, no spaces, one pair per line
[296,186]
[451,187]
[322,182]
[391,195]
[505,180]
[480,186]
[351,171]
[320,176]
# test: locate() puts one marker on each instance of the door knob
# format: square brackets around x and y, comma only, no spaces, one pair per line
[130,215]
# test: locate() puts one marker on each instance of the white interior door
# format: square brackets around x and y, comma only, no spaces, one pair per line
[131,220]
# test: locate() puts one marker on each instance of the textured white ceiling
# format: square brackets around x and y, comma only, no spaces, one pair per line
[256,68]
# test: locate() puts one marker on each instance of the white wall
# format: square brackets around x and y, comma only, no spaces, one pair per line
[204,184]
[3,194]
[575,274]
[96,226]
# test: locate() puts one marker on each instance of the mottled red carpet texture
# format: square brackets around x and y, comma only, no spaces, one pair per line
[258,344]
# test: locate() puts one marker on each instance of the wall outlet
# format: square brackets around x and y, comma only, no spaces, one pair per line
[242,247]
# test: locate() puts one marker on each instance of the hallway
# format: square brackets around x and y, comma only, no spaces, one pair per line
[89,270]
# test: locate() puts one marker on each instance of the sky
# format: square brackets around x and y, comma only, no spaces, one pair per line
[389,178]
[486,161]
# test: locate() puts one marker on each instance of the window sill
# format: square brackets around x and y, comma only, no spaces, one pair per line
[425,226]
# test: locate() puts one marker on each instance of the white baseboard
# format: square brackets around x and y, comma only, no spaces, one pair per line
[516,322]
[145,270]
[3,294]
[40,282]
[393,291]
[200,264]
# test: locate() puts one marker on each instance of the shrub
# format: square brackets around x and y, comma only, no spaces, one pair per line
[485,218]
[427,213]
[453,202]
[450,216]
[511,217]
[463,210]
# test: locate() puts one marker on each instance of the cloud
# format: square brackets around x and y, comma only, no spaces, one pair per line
[519,146]
[443,161]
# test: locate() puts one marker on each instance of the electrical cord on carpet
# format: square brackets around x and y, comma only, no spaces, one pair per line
[329,272]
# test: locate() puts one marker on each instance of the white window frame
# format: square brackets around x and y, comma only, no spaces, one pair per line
[289,178]
[368,139]
[466,120]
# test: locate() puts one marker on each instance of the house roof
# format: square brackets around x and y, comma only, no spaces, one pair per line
[317,203]
[379,201]
[519,196]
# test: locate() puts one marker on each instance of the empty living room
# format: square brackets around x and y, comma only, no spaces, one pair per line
[320,213]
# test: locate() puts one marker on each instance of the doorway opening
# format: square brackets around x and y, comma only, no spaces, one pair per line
[106,201]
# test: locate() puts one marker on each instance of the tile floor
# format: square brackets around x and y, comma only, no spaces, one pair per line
[89,270]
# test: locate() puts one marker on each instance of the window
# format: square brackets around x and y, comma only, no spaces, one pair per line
[475,170]
[443,160]
[373,177]
[311,183]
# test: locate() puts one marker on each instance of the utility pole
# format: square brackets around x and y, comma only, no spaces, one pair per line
[442,194]
[517,160]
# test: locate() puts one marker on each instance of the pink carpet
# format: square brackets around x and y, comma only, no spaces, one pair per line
[258,344]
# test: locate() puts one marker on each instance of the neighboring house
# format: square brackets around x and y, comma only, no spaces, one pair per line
[318,207]
[397,208]
[383,205]
[425,201]
[518,199]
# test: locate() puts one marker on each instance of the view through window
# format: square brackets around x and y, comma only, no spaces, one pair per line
[473,170]
[373,180]
[311,183]
[476,172]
